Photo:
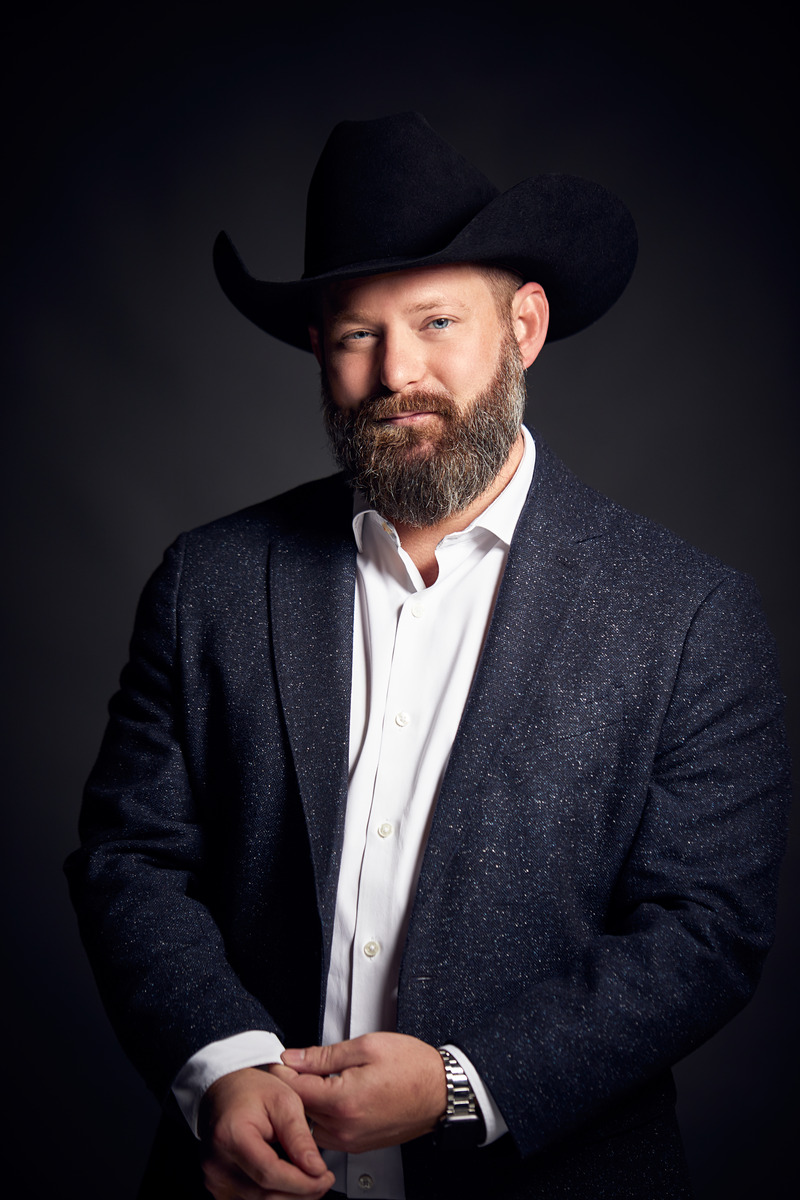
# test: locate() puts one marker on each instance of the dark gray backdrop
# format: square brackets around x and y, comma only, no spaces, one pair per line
[140,404]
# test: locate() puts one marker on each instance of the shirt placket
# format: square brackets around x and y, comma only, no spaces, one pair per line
[379,924]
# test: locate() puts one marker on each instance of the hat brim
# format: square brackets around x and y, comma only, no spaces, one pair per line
[572,236]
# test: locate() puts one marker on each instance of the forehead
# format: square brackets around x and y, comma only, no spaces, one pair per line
[457,284]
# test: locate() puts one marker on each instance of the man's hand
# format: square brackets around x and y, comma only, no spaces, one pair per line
[374,1091]
[244,1116]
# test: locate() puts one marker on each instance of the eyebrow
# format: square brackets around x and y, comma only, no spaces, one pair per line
[347,316]
[437,302]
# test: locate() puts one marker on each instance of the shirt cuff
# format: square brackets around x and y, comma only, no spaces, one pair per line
[493,1120]
[253,1048]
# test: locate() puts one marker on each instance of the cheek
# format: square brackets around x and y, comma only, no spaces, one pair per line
[464,371]
[349,381]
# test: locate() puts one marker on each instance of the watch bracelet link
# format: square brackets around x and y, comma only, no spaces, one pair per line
[461,1102]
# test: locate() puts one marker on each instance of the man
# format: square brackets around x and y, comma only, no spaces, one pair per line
[461,772]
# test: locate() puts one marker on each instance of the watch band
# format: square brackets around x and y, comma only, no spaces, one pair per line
[462,1124]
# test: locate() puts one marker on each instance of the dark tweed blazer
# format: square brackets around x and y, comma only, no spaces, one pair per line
[598,889]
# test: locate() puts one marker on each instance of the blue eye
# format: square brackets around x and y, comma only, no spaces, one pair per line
[441,322]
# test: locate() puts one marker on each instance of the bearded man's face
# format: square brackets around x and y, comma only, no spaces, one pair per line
[421,453]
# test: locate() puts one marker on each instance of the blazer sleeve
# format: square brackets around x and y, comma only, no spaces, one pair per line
[691,911]
[139,882]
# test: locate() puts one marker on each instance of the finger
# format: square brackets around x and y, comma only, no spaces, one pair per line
[226,1181]
[246,1149]
[316,1195]
[293,1195]
[287,1074]
[246,1113]
[319,1098]
[327,1137]
[292,1131]
[328,1060]
[261,1169]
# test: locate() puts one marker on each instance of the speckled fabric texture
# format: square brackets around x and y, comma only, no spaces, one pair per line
[598,889]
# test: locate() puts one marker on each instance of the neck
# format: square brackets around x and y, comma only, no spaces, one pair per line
[420,544]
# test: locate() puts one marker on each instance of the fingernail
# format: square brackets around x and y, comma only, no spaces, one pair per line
[293,1058]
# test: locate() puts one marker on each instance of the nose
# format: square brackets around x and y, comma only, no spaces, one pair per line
[402,362]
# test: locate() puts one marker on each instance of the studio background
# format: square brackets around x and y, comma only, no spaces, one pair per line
[139,403]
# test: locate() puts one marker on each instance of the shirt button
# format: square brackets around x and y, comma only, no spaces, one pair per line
[371,949]
[417,608]
[402,719]
[385,830]
[366,1182]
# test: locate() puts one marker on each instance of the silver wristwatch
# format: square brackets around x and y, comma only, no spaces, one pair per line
[462,1124]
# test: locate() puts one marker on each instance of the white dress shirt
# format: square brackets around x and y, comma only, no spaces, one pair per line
[415,652]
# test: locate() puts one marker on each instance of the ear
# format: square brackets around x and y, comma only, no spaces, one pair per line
[530,315]
[316,342]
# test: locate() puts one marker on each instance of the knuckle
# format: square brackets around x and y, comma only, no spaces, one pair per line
[214,1174]
[262,1176]
[369,1045]
[286,1102]
[347,1139]
[222,1140]
[348,1111]
[323,1057]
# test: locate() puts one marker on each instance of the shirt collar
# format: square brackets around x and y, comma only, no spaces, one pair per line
[500,518]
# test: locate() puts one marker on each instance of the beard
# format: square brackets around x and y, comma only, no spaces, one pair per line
[420,477]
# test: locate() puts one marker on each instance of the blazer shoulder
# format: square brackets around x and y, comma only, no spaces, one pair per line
[230,554]
[313,511]
[562,509]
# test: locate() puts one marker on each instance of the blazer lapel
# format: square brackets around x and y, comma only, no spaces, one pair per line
[311,594]
[549,564]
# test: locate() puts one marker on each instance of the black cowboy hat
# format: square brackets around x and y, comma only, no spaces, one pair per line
[390,194]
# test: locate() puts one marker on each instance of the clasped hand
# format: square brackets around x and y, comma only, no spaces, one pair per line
[378,1090]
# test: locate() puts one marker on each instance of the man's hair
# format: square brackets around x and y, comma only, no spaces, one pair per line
[503,285]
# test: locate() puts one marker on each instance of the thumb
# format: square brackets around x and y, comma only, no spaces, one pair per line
[325,1060]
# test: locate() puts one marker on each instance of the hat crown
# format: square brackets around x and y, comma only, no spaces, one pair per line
[391,195]
[388,188]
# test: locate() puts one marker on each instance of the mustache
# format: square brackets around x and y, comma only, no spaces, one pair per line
[383,405]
